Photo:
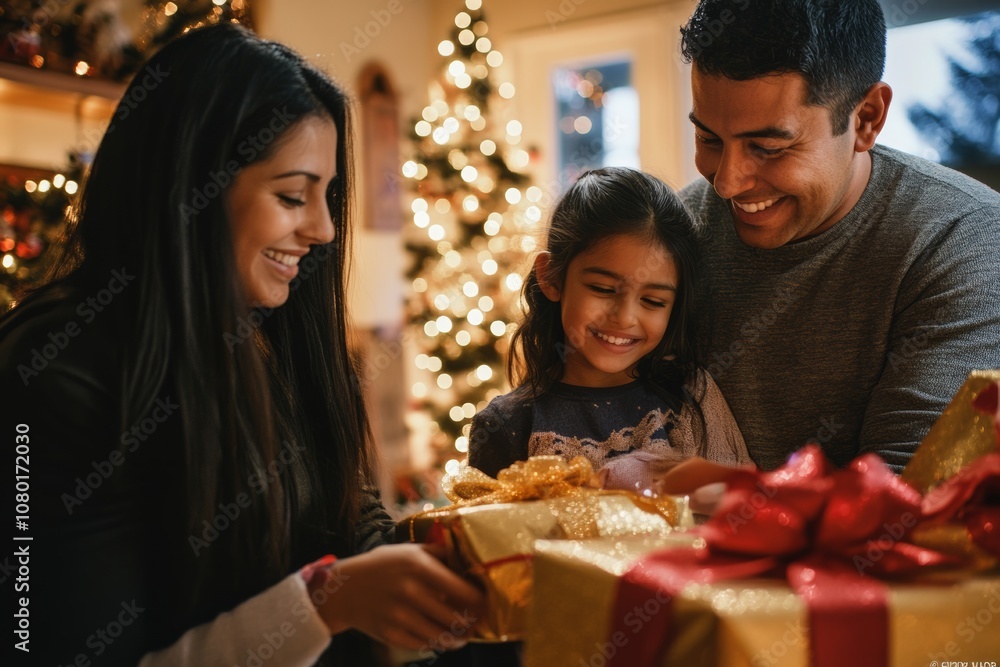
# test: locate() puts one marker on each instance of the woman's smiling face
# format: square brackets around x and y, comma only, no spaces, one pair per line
[278,210]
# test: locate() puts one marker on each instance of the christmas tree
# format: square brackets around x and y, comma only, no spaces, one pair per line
[475,221]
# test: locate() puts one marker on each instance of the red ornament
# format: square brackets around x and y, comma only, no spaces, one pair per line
[30,248]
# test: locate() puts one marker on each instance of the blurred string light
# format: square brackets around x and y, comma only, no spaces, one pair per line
[473,211]
[33,218]
[40,41]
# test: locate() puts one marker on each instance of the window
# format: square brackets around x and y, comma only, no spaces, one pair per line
[597,113]
[945,77]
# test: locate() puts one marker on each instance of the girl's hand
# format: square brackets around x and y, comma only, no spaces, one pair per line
[703,481]
[400,594]
[685,477]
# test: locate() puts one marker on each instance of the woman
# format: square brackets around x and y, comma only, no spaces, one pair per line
[185,390]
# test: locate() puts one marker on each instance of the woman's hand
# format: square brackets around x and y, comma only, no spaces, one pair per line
[400,594]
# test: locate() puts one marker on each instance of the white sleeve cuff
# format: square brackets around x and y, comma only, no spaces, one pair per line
[278,627]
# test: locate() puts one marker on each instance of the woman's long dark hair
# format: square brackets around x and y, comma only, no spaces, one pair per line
[251,383]
[613,201]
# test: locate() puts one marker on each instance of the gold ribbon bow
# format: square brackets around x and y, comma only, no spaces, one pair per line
[538,478]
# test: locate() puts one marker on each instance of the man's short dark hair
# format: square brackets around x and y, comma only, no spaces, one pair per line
[837,46]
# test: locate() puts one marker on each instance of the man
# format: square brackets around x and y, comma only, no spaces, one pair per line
[852,287]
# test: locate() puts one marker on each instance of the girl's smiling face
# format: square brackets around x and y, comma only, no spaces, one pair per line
[277,210]
[615,306]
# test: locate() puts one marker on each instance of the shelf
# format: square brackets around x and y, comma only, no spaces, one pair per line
[58,81]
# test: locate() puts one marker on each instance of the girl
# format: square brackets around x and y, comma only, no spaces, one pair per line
[195,438]
[606,358]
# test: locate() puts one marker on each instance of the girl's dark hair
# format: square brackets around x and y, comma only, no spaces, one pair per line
[251,383]
[607,202]
[837,46]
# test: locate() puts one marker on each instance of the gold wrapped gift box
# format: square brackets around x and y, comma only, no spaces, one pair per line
[494,542]
[763,622]
[744,623]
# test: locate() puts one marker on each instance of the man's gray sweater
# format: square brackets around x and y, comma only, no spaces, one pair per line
[859,337]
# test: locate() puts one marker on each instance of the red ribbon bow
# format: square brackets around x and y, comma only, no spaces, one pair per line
[826,530]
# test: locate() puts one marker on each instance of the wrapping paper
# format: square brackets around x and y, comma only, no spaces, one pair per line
[801,559]
[492,538]
[744,623]
[962,434]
